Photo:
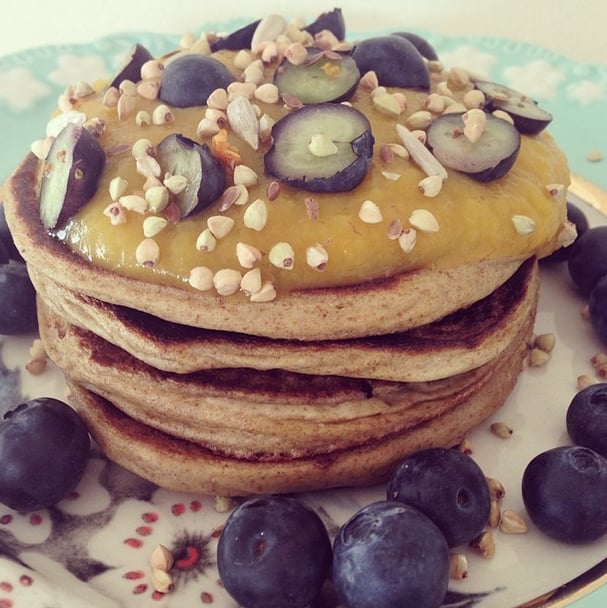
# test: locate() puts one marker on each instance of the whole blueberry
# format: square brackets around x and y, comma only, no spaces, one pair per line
[447,486]
[587,261]
[390,555]
[7,238]
[565,493]
[273,552]
[597,309]
[587,418]
[17,300]
[44,448]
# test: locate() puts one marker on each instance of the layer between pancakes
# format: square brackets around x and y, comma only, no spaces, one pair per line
[269,415]
[464,340]
[371,308]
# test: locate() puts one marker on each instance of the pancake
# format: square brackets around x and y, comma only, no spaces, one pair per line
[397,303]
[184,465]
[272,412]
[455,344]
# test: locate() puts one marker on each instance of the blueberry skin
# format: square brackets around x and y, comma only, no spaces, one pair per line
[587,261]
[17,300]
[273,552]
[44,449]
[587,418]
[390,555]
[597,309]
[7,238]
[395,61]
[189,80]
[565,493]
[447,486]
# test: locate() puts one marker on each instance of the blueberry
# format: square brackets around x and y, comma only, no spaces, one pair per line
[587,261]
[447,486]
[578,218]
[44,449]
[332,21]
[17,300]
[72,171]
[395,61]
[488,158]
[319,79]
[587,418]
[390,555]
[6,238]
[565,493]
[179,155]
[421,44]
[130,66]
[188,80]
[528,117]
[293,159]
[597,308]
[273,551]
[236,40]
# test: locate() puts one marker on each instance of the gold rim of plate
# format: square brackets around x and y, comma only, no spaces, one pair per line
[572,591]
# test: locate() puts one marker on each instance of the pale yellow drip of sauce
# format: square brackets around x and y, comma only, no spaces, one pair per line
[475,219]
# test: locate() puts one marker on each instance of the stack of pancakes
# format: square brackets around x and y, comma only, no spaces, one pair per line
[232,413]
[319,388]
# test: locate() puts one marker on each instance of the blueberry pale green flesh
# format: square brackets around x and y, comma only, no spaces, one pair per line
[587,261]
[290,160]
[565,493]
[587,417]
[528,116]
[273,551]
[17,300]
[395,61]
[237,40]
[486,159]
[390,555]
[7,238]
[71,173]
[449,487]
[130,68]
[421,44]
[578,218]
[190,79]
[331,20]
[323,80]
[44,448]
[179,155]
[597,309]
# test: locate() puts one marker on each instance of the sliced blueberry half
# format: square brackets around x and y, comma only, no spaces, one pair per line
[421,44]
[237,40]
[395,60]
[130,67]
[322,77]
[188,80]
[70,175]
[179,155]
[321,148]
[490,157]
[332,20]
[528,116]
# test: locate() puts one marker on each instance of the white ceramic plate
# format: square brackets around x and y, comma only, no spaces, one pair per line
[93,548]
